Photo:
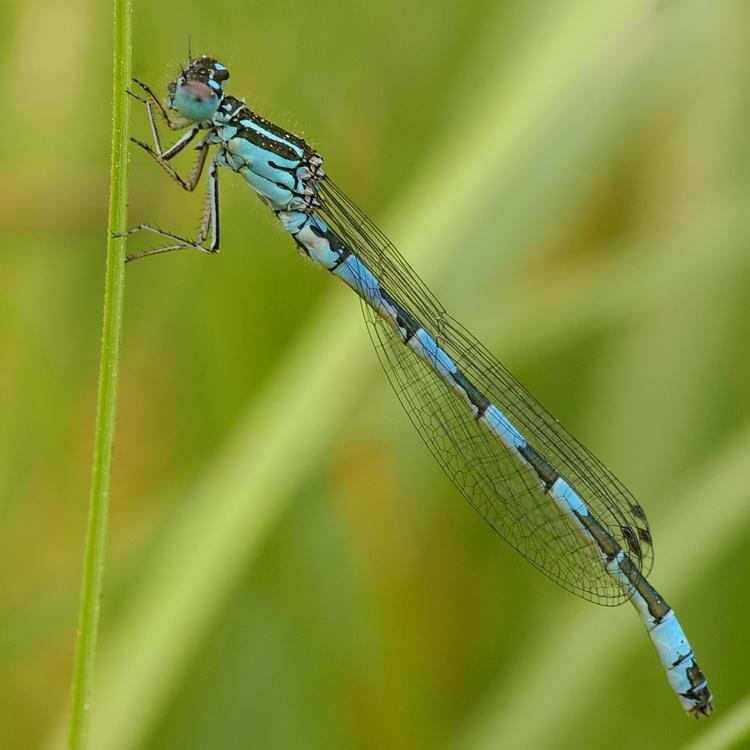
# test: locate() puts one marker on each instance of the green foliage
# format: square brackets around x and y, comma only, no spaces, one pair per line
[287,567]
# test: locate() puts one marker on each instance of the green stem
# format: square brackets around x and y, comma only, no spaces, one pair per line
[114,283]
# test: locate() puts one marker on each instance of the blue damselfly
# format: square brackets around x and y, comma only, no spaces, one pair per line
[532,481]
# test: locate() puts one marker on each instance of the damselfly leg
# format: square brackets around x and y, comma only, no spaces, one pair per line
[210,219]
[152,101]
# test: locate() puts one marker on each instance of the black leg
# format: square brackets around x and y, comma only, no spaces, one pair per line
[153,101]
[163,158]
[209,224]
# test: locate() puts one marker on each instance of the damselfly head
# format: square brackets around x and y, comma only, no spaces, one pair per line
[197,93]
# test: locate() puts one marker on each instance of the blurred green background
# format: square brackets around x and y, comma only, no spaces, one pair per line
[287,567]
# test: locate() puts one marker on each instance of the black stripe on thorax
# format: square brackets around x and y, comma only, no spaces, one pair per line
[272,127]
[240,112]
[266,143]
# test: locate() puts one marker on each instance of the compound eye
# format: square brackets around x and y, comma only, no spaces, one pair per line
[198,91]
[195,101]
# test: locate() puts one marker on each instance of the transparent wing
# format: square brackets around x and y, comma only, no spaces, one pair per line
[504,492]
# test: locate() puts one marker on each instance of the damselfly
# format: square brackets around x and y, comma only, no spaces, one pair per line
[532,481]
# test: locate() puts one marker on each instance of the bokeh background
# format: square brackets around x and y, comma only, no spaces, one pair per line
[287,567]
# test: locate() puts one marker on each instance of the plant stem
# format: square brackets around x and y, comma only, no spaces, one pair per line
[114,282]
